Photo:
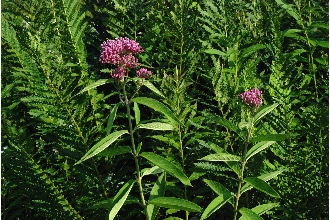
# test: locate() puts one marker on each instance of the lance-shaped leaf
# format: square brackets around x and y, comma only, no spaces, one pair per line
[176,203]
[224,196]
[261,209]
[108,204]
[158,106]
[224,122]
[102,144]
[290,9]
[221,157]
[264,177]
[151,86]
[114,151]
[272,137]
[218,188]
[120,198]
[158,190]
[250,50]
[249,214]
[137,113]
[215,51]
[159,126]
[112,117]
[152,170]
[257,148]
[167,166]
[234,166]
[264,111]
[262,186]
[215,205]
[94,85]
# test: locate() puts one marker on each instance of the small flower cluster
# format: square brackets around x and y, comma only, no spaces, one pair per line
[120,52]
[143,73]
[252,98]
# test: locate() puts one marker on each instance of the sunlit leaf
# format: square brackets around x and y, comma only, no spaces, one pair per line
[102,144]
[158,190]
[215,204]
[221,157]
[112,117]
[262,186]
[157,126]
[257,148]
[120,198]
[137,113]
[249,214]
[158,106]
[176,203]
[151,86]
[265,177]
[113,151]
[94,85]
[264,111]
[272,137]
[261,209]
[215,51]
[167,166]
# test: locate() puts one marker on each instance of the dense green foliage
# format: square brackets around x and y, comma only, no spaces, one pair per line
[202,54]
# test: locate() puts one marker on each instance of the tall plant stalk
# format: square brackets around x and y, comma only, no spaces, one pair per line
[135,153]
[241,177]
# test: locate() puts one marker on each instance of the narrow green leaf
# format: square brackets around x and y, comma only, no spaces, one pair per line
[218,188]
[215,204]
[112,117]
[152,170]
[257,148]
[249,214]
[94,85]
[102,144]
[262,186]
[108,204]
[120,198]
[320,25]
[264,111]
[291,11]
[167,166]
[5,91]
[221,157]
[250,50]
[110,152]
[234,166]
[323,43]
[157,126]
[215,51]
[157,106]
[158,190]
[265,177]
[137,113]
[221,121]
[261,209]
[176,203]
[273,137]
[151,86]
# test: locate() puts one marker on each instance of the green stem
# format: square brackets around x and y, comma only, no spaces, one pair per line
[241,177]
[135,154]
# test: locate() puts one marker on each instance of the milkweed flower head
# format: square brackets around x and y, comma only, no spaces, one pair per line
[143,73]
[252,98]
[120,52]
[118,73]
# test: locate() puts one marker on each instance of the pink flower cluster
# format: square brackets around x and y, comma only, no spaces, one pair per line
[143,73]
[252,98]
[118,73]
[120,52]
